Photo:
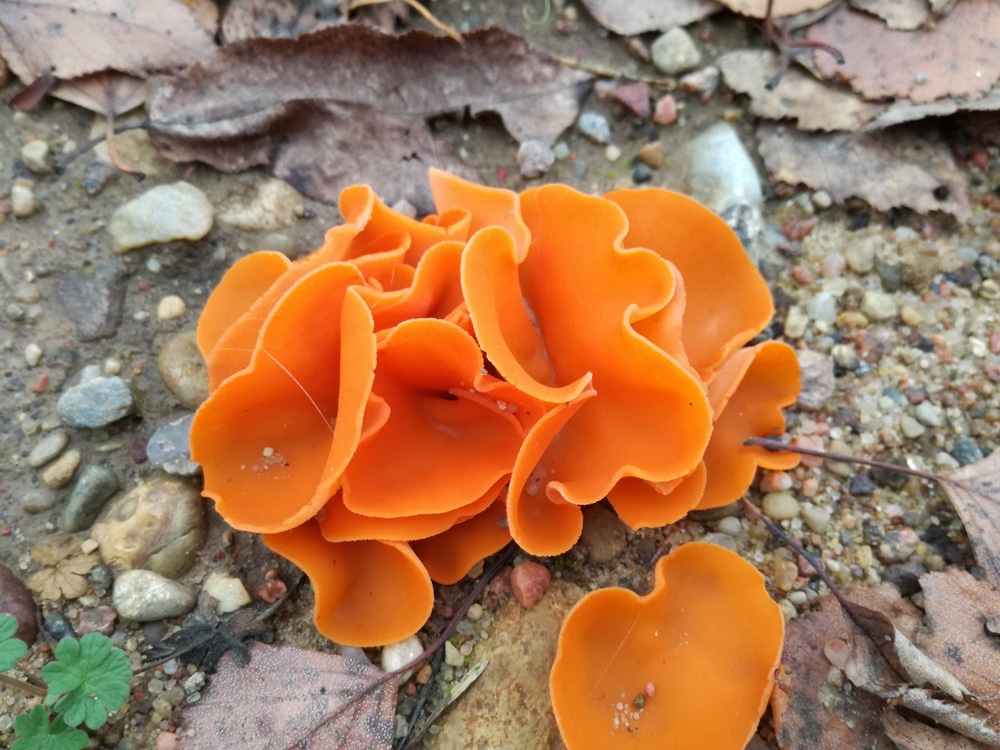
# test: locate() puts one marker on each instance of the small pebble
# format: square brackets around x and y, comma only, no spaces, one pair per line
[101,576]
[966,451]
[594,126]
[529,581]
[821,199]
[452,656]
[580,168]
[58,626]
[878,305]
[48,448]
[612,153]
[860,485]
[776,481]
[475,613]
[227,590]
[94,486]
[730,525]
[170,448]
[162,214]
[665,111]
[37,156]
[100,619]
[32,354]
[703,82]
[928,414]
[144,596]
[642,174]
[780,506]
[675,52]
[796,322]
[822,307]
[182,369]
[401,653]
[652,154]
[944,460]
[818,379]
[816,518]
[22,201]
[61,471]
[38,500]
[534,158]
[561,150]
[910,427]
[170,308]
[96,402]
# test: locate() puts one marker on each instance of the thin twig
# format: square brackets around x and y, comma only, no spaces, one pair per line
[60,168]
[777,445]
[24,687]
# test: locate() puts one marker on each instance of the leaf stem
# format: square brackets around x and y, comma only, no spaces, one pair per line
[777,445]
[23,686]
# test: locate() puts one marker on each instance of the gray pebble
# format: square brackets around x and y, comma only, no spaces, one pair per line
[561,150]
[58,626]
[94,486]
[95,403]
[37,156]
[143,596]
[719,539]
[38,500]
[94,301]
[889,276]
[16,600]
[877,305]
[817,379]
[159,525]
[594,126]
[910,427]
[928,414]
[780,506]
[165,213]
[182,369]
[48,448]
[170,449]
[816,518]
[987,266]
[966,451]
[579,168]
[860,485]
[534,158]
[675,52]
[102,576]
[895,395]
[730,525]
[822,307]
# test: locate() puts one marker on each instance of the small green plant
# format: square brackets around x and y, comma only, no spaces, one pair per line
[88,679]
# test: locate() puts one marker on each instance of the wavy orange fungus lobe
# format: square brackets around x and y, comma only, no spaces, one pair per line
[689,666]
[402,402]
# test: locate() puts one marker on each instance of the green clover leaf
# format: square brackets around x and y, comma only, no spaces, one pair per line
[88,679]
[11,649]
[36,732]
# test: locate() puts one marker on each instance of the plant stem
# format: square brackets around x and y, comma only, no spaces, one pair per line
[777,445]
[23,686]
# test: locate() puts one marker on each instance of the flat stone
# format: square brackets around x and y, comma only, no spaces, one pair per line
[97,402]
[94,302]
[182,369]
[48,448]
[61,471]
[38,500]
[675,52]
[144,596]
[16,600]
[276,205]
[163,214]
[170,448]
[94,486]
[603,533]
[159,525]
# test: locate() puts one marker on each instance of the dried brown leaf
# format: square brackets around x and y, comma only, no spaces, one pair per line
[905,111]
[974,490]
[757,8]
[914,735]
[289,698]
[813,104]
[897,169]
[629,17]
[905,15]
[348,104]
[66,568]
[72,38]
[107,93]
[958,57]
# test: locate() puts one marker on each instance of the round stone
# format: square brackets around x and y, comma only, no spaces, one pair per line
[22,201]
[95,403]
[182,369]
[171,307]
[61,471]
[37,156]
[780,506]
[675,52]
[48,448]
[165,213]
[16,601]
[534,158]
[159,525]
[94,486]
[144,596]
[877,305]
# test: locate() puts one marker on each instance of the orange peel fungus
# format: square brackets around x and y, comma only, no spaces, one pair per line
[404,401]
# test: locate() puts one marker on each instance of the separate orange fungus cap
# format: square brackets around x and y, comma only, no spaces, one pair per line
[688,667]
[367,593]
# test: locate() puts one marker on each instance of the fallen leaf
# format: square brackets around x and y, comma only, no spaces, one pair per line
[630,17]
[246,19]
[107,92]
[897,169]
[757,8]
[71,38]
[914,735]
[906,111]
[958,57]
[65,574]
[974,491]
[289,698]
[906,15]
[348,104]
[814,104]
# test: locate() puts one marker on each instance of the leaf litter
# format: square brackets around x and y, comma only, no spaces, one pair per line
[349,100]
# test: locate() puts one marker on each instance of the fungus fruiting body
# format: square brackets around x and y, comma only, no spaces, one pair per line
[407,399]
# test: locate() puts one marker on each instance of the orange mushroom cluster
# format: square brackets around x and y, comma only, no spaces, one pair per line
[413,395]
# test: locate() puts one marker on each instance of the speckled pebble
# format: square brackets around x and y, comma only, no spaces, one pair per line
[879,306]
[928,414]
[22,201]
[143,596]
[171,307]
[95,403]
[170,448]
[966,451]
[594,126]
[165,213]
[818,380]
[48,448]
[227,590]
[182,369]
[910,427]
[159,525]
[61,471]
[816,518]
[780,506]
[94,486]
[529,581]
[675,52]
[534,158]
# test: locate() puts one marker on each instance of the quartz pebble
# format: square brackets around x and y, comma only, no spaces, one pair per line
[144,596]
[780,506]
[96,402]
[822,307]
[675,52]
[227,590]
[48,448]
[928,414]
[534,158]
[401,653]
[32,354]
[37,156]
[529,581]
[170,308]
[22,201]
[612,153]
[910,427]
[61,471]
[817,519]
[452,656]
[165,213]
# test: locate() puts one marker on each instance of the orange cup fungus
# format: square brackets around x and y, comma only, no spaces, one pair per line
[688,667]
[413,395]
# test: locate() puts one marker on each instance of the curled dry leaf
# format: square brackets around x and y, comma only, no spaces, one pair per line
[758,8]
[67,566]
[290,698]
[915,735]
[897,169]
[301,105]
[629,17]
[958,57]
[905,15]
[974,490]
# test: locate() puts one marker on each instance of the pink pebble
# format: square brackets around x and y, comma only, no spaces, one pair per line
[167,741]
[666,111]
[529,580]
[775,481]
[635,96]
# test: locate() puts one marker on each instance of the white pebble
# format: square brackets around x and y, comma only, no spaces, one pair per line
[821,199]
[32,354]
[612,153]
[22,201]
[112,366]
[37,156]
[227,590]
[452,656]
[780,506]
[170,307]
[401,653]
[153,265]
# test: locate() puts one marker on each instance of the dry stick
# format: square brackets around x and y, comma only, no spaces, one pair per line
[60,168]
[787,47]
[777,445]
[23,686]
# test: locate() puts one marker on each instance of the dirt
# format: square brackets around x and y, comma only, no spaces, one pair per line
[67,235]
